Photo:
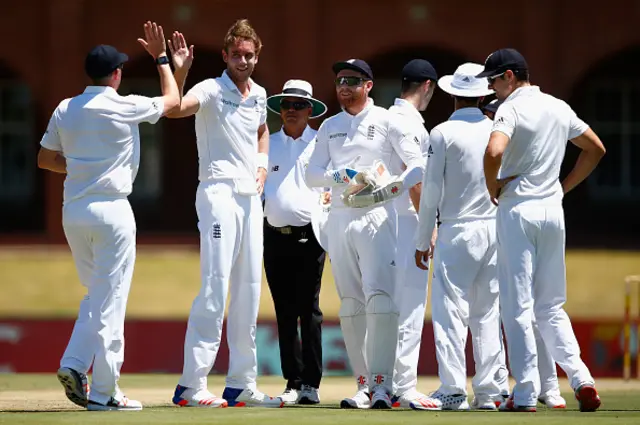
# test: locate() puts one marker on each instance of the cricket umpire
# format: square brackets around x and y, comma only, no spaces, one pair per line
[293,258]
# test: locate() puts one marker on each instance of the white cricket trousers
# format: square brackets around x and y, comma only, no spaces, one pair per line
[411,296]
[102,236]
[362,247]
[531,271]
[230,258]
[464,296]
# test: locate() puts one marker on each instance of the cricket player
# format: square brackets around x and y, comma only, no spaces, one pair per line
[526,148]
[233,143]
[362,241]
[418,85]
[549,386]
[93,138]
[464,286]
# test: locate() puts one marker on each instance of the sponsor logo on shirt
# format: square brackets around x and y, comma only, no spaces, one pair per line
[499,121]
[429,152]
[334,135]
[230,103]
[216,232]
[415,139]
[275,168]
[371,132]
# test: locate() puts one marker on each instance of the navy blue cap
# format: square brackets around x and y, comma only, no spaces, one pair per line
[502,61]
[492,106]
[102,60]
[419,70]
[354,64]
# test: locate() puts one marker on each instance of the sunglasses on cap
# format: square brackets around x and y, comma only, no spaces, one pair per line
[297,105]
[350,81]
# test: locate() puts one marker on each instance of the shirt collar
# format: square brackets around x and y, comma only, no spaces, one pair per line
[523,91]
[100,89]
[409,108]
[466,114]
[228,82]
[307,135]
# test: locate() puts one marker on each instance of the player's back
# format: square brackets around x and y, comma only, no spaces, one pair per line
[539,126]
[98,132]
[465,195]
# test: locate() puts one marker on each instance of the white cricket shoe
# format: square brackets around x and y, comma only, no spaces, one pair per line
[76,385]
[359,401]
[553,400]
[411,396]
[121,403]
[483,403]
[289,396]
[380,398]
[439,401]
[190,397]
[250,398]
[308,395]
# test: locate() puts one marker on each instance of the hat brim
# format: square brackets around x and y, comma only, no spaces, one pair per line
[123,58]
[340,66]
[445,83]
[318,108]
[489,73]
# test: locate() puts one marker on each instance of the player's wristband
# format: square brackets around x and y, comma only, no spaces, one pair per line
[262,160]
[162,60]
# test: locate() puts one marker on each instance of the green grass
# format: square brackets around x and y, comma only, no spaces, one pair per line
[43,283]
[38,399]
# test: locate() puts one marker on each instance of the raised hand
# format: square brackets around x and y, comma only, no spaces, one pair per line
[153,41]
[181,54]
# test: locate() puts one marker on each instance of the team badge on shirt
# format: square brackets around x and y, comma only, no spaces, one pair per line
[371,132]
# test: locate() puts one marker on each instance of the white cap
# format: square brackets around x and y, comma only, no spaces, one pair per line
[463,82]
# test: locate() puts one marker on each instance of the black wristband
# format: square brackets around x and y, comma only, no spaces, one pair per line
[162,60]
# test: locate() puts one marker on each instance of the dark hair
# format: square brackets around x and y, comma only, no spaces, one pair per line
[521,74]
[409,87]
[467,100]
[103,81]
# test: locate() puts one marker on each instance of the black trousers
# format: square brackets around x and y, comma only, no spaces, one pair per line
[294,272]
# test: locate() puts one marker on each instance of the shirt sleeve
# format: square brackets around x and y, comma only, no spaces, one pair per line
[51,138]
[316,173]
[406,144]
[432,184]
[263,110]
[148,109]
[203,91]
[505,120]
[577,127]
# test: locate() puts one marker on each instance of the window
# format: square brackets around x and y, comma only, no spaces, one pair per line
[148,184]
[17,148]
[613,108]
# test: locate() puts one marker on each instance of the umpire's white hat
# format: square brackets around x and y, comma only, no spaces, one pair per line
[464,83]
[301,89]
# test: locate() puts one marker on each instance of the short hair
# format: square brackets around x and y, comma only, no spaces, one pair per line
[468,100]
[521,74]
[242,30]
[409,87]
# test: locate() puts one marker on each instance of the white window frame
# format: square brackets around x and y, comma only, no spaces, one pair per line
[626,127]
[148,184]
[22,184]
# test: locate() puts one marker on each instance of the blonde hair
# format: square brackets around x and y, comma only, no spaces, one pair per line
[242,30]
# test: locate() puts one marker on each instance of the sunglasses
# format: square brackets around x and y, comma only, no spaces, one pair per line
[495,77]
[349,81]
[297,105]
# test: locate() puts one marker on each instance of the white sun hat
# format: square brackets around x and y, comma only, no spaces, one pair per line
[301,89]
[463,82]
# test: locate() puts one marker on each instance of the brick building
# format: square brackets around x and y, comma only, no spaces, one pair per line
[583,54]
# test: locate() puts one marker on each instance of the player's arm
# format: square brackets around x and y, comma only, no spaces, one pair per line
[50,154]
[592,151]
[262,160]
[416,191]
[182,60]
[407,146]
[432,184]
[318,173]
[504,126]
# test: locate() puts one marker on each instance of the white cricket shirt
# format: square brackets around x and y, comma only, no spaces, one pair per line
[227,131]
[539,126]
[414,122]
[454,181]
[288,199]
[97,133]
[357,141]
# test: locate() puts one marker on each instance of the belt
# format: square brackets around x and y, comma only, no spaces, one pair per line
[300,232]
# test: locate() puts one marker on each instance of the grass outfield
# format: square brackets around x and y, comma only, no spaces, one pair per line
[43,283]
[39,399]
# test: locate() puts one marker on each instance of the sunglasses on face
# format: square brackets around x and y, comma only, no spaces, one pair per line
[297,105]
[349,81]
[495,77]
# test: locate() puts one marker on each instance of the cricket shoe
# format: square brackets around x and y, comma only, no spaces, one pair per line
[510,406]
[190,397]
[439,401]
[248,397]
[308,395]
[359,401]
[483,403]
[76,385]
[380,398]
[405,400]
[120,402]
[553,400]
[289,396]
[588,398]
[501,399]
